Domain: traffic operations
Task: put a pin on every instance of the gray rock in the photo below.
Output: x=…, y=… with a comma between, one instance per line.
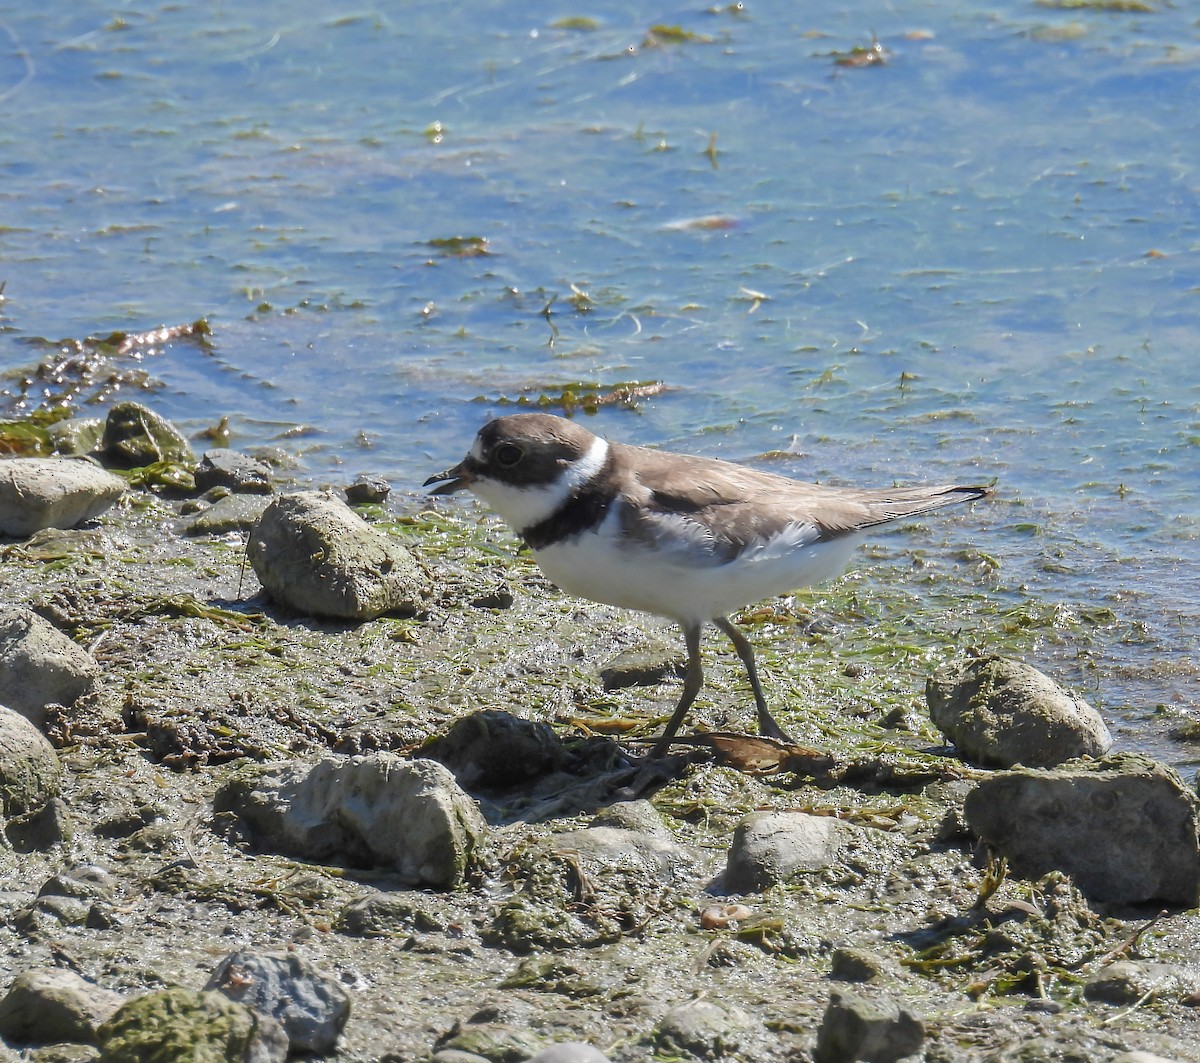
x=233, y=513
x=367, y=489
x=570, y=1052
x=494, y=1041
x=241, y=473
x=1127, y=982
x=313, y=554
x=135, y=436
x=371, y=811
x=653, y=857
x=394, y=913
x=1124, y=828
x=312, y=1007
x=768, y=848
x=1002, y=712
x=30, y=772
x=495, y=750
x=49, y=1005
x=40, y=665
x=639, y=815
x=703, y=1028
x=645, y=665
x=37, y=493
x=179, y=1024
x=75, y=897
x=878, y=1031
x=856, y=965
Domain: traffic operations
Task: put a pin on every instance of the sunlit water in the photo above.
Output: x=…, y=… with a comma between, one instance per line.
x=977, y=260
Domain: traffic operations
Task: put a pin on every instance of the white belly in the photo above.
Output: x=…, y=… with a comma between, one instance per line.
x=636, y=576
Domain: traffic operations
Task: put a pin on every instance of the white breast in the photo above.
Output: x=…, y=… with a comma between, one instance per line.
x=679, y=582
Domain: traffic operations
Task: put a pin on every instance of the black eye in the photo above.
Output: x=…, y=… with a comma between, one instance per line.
x=507, y=454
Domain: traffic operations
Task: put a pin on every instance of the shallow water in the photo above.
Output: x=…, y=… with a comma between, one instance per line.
x=977, y=260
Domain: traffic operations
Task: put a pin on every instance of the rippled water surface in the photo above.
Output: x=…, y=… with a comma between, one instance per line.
x=975, y=260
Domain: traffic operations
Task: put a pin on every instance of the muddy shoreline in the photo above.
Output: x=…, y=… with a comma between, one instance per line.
x=201, y=673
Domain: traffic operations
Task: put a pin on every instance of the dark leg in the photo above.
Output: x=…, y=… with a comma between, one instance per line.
x=766, y=722
x=693, y=680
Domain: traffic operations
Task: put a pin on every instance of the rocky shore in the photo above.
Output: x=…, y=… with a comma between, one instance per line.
x=283, y=775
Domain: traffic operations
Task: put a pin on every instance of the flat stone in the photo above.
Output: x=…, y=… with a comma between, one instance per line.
x=37, y=493
x=857, y=1028
x=311, y=1006
x=49, y=1005
x=40, y=666
x=367, y=489
x=768, y=848
x=372, y=811
x=239, y=472
x=1002, y=712
x=315, y=555
x=1126, y=828
x=233, y=513
x=645, y=665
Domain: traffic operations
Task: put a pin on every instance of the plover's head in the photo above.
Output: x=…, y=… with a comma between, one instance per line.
x=526, y=466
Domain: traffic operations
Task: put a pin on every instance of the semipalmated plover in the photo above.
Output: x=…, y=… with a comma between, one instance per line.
x=679, y=536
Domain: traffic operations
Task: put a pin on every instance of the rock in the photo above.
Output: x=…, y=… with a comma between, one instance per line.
x=30, y=772
x=854, y=1028
x=371, y=811
x=1002, y=712
x=241, y=473
x=49, y=1005
x=768, y=848
x=495, y=1041
x=392, y=914
x=1126, y=829
x=313, y=554
x=233, y=513
x=570, y=1052
x=135, y=436
x=77, y=897
x=311, y=1006
x=646, y=665
x=639, y=815
x=701, y=1028
x=172, y=1025
x=39, y=665
x=856, y=965
x=495, y=750
x=655, y=857
x=366, y=489
x=1127, y=982
x=43, y=828
x=76, y=435
x=37, y=493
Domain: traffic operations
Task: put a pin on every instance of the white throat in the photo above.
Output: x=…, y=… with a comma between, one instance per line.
x=523, y=507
